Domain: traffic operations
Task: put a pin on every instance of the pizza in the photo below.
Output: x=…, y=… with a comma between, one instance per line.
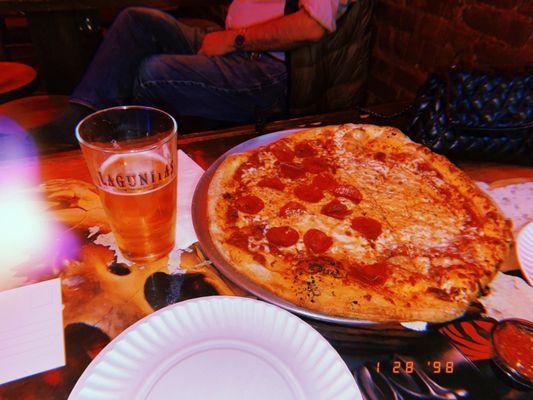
x=357, y=221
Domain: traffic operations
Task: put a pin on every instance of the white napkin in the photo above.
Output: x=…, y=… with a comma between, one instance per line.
x=514, y=199
x=189, y=173
x=509, y=297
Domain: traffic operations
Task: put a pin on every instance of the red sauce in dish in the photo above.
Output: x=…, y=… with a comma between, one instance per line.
x=304, y=149
x=349, y=192
x=309, y=193
x=368, y=227
x=291, y=208
x=291, y=171
x=249, y=204
x=335, y=209
x=272, y=183
x=317, y=241
x=369, y=274
x=282, y=236
x=514, y=344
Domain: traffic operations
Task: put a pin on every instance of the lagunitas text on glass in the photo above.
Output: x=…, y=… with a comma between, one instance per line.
x=132, y=157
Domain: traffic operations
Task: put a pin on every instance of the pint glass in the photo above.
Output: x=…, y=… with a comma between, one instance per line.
x=132, y=157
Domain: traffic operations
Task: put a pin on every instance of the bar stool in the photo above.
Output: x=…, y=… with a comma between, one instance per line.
x=16, y=80
x=19, y=116
x=31, y=112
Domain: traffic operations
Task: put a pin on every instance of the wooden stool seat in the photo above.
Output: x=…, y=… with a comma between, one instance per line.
x=16, y=80
x=18, y=116
x=31, y=112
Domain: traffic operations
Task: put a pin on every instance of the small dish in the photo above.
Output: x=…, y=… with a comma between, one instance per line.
x=512, y=342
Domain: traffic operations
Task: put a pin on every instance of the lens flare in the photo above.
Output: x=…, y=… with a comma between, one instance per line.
x=25, y=231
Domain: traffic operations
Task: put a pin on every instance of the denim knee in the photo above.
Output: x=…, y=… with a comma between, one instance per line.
x=137, y=15
x=149, y=69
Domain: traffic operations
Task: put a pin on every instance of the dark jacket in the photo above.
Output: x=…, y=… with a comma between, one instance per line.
x=331, y=74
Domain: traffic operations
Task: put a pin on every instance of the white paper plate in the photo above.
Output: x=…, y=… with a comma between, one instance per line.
x=218, y=347
x=524, y=251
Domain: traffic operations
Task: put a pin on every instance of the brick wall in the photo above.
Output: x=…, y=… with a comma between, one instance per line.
x=412, y=38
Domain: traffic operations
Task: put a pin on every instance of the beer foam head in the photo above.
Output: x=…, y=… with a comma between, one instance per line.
x=135, y=173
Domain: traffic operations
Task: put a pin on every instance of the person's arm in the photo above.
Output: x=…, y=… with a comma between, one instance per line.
x=282, y=33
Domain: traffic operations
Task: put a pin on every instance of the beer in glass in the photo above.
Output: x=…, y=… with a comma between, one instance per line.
x=132, y=158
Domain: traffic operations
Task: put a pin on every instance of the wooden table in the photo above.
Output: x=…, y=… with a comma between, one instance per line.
x=204, y=148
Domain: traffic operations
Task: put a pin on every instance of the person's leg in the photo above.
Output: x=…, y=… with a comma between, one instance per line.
x=227, y=88
x=135, y=34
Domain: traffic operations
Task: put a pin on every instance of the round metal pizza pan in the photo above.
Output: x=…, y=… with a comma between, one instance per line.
x=199, y=218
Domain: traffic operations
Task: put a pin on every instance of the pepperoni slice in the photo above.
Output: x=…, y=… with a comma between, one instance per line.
x=370, y=274
x=239, y=239
x=335, y=209
x=368, y=227
x=282, y=152
x=259, y=258
x=291, y=171
x=291, y=208
x=249, y=204
x=349, y=192
x=252, y=162
x=315, y=165
x=324, y=181
x=282, y=236
x=309, y=193
x=304, y=149
x=317, y=241
x=273, y=183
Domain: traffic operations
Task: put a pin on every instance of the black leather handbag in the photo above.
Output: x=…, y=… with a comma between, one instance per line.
x=476, y=116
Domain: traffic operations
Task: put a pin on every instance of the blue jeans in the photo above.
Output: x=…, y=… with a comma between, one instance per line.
x=150, y=58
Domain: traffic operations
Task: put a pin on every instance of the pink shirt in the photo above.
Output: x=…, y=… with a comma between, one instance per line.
x=243, y=13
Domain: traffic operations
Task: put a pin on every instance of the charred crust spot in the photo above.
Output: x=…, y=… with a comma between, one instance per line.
x=439, y=293
x=484, y=291
x=320, y=266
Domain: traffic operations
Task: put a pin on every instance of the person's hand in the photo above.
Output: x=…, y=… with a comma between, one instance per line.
x=218, y=43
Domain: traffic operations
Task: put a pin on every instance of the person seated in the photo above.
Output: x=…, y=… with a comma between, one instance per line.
x=150, y=58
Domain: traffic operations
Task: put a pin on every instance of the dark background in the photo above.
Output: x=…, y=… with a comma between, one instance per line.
x=412, y=38
x=416, y=37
